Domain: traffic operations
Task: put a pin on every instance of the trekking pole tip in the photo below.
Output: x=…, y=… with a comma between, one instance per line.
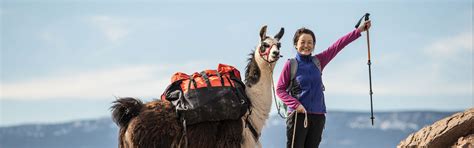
x=372, y=119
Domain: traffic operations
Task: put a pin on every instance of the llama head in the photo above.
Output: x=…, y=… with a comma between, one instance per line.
x=263, y=59
x=269, y=48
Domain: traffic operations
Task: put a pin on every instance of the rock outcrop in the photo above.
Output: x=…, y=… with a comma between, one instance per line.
x=465, y=142
x=454, y=131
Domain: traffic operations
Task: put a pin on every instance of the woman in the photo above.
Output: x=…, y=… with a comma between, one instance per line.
x=307, y=89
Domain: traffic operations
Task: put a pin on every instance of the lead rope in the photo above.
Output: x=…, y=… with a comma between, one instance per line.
x=274, y=96
x=305, y=122
x=294, y=129
x=273, y=89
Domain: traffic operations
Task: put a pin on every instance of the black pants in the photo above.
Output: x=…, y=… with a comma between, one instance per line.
x=308, y=137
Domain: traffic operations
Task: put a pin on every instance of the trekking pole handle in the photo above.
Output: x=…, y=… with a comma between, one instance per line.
x=365, y=17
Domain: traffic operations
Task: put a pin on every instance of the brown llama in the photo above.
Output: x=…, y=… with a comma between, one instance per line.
x=155, y=124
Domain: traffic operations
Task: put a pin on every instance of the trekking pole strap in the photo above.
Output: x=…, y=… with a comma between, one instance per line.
x=365, y=17
x=305, y=119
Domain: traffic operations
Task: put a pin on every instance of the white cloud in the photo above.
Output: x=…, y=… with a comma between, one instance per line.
x=135, y=81
x=102, y=83
x=113, y=28
x=451, y=46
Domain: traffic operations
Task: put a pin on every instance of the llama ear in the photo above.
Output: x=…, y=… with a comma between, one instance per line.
x=263, y=32
x=280, y=34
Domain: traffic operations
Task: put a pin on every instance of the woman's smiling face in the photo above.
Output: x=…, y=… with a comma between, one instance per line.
x=305, y=44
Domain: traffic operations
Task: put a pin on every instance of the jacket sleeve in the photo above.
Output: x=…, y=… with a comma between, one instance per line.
x=326, y=56
x=282, y=85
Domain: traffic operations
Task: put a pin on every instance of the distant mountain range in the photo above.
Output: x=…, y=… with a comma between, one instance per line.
x=354, y=129
x=343, y=129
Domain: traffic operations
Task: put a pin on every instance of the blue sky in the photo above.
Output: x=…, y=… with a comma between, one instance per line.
x=66, y=60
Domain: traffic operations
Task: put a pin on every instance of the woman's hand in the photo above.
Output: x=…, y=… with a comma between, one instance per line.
x=300, y=109
x=364, y=26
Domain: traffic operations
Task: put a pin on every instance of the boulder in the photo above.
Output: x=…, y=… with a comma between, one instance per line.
x=453, y=131
x=465, y=142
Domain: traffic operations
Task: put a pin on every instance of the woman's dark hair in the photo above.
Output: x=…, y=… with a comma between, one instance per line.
x=302, y=31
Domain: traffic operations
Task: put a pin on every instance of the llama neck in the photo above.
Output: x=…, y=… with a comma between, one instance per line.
x=261, y=96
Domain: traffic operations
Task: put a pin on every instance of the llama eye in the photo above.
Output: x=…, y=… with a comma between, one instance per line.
x=263, y=48
x=265, y=45
x=278, y=45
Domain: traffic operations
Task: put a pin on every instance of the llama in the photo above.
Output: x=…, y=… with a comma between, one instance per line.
x=155, y=124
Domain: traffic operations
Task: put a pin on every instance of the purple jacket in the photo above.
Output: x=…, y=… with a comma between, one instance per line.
x=308, y=78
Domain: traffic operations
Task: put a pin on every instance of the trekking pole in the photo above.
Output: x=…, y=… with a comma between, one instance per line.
x=366, y=17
